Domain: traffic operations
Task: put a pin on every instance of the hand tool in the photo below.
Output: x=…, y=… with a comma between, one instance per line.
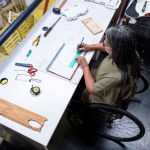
x=28, y=54
x=31, y=71
x=35, y=90
x=58, y=9
x=51, y=27
x=144, y=7
x=23, y=65
x=36, y=41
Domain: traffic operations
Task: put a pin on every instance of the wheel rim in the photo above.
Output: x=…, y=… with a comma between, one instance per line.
x=127, y=128
x=122, y=129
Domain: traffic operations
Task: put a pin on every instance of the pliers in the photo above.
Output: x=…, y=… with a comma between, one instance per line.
x=36, y=41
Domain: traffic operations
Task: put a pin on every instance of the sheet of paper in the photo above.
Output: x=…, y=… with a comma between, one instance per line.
x=60, y=65
x=43, y=58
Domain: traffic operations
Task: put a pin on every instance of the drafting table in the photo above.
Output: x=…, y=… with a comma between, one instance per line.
x=55, y=92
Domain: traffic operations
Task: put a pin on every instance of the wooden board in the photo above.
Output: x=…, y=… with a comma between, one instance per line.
x=92, y=25
x=20, y=115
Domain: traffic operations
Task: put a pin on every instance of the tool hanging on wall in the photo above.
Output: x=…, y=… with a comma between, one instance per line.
x=57, y=10
x=144, y=6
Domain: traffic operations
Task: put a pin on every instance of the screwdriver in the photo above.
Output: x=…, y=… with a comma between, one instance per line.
x=28, y=54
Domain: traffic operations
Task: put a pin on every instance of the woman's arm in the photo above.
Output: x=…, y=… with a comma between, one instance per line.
x=87, y=47
x=89, y=80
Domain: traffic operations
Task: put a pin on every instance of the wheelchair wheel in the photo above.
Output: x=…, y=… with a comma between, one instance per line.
x=142, y=84
x=112, y=123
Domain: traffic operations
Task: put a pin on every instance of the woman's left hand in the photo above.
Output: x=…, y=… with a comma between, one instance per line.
x=82, y=61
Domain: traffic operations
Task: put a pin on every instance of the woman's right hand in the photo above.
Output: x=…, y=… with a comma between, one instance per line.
x=83, y=47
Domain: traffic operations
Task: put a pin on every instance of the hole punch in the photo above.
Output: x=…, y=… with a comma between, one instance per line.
x=3, y=81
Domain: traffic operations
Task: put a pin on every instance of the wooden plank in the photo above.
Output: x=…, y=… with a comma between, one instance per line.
x=20, y=115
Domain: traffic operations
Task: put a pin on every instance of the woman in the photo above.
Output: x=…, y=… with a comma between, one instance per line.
x=115, y=78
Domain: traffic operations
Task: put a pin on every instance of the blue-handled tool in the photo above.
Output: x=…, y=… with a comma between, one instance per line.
x=28, y=54
x=23, y=65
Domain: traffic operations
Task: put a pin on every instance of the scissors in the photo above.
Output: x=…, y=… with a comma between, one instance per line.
x=31, y=71
x=36, y=41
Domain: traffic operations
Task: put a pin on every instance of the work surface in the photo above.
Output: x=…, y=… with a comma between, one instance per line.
x=56, y=91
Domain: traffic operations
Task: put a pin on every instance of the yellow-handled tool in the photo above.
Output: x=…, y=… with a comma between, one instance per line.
x=36, y=41
x=57, y=10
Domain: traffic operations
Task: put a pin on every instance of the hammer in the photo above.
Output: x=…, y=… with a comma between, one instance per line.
x=57, y=10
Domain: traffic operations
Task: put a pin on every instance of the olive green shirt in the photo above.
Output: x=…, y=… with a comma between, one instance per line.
x=107, y=77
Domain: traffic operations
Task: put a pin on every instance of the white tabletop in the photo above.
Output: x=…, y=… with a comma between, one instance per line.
x=55, y=91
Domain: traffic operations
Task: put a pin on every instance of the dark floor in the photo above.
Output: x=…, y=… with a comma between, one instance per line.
x=68, y=138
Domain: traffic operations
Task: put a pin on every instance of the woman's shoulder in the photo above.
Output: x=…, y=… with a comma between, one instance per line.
x=108, y=64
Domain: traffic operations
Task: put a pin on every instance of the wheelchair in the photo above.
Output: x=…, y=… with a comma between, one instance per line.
x=113, y=122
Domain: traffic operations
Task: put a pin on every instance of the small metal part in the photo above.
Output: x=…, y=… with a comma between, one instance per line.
x=3, y=81
x=45, y=28
x=35, y=90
